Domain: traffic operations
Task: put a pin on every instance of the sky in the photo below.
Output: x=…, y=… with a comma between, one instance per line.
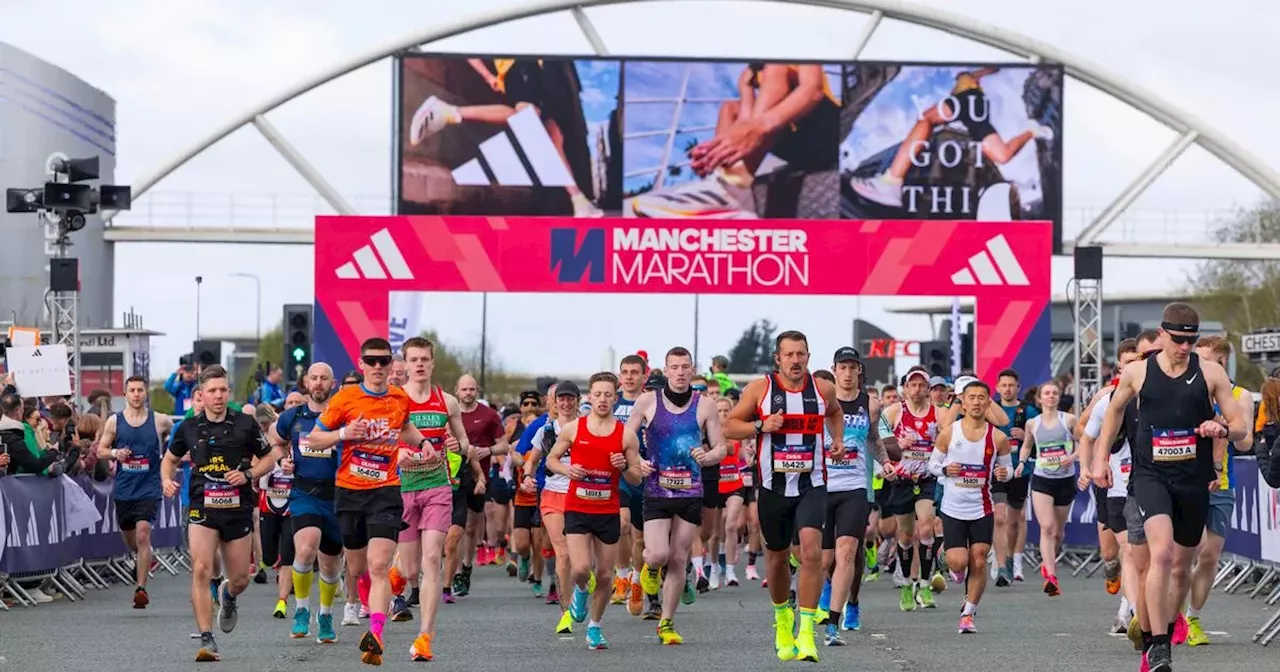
x=179, y=69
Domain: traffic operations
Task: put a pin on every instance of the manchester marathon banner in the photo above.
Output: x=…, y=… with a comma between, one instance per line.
x=49, y=523
x=697, y=139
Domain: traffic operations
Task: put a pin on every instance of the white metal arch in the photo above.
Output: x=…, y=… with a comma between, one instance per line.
x=1190, y=128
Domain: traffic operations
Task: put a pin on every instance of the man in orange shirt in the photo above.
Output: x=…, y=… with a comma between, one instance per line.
x=372, y=420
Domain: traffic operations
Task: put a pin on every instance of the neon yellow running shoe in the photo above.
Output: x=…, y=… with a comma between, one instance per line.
x=1195, y=634
x=784, y=641
x=565, y=626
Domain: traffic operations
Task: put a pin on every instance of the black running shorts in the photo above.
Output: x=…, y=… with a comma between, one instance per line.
x=846, y=516
x=782, y=518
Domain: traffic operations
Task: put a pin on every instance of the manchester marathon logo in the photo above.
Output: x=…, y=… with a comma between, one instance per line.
x=739, y=258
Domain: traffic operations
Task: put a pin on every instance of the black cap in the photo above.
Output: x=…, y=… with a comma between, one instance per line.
x=847, y=354
x=567, y=388
x=529, y=395
x=656, y=380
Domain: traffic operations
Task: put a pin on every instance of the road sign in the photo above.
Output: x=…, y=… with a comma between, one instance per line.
x=1259, y=343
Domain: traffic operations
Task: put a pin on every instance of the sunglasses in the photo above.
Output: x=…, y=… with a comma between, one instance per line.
x=529, y=404
x=376, y=360
x=1183, y=339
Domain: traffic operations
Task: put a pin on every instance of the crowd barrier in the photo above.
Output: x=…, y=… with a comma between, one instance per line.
x=1251, y=558
x=64, y=530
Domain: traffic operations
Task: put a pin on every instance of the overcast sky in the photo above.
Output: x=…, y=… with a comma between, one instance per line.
x=177, y=69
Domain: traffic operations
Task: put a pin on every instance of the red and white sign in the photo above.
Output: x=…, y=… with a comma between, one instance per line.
x=888, y=348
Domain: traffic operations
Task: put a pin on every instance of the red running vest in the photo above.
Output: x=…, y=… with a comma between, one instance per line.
x=597, y=493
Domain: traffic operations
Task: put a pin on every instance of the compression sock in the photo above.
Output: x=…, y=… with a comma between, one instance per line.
x=833, y=615
x=722, y=562
x=807, y=617
x=926, y=559
x=751, y=557
x=377, y=621
x=906, y=554
x=550, y=572
x=302, y=586
x=328, y=591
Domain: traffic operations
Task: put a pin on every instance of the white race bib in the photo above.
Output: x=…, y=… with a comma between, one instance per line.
x=221, y=496
x=1173, y=445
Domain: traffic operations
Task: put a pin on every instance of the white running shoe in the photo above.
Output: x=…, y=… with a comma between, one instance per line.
x=752, y=574
x=878, y=190
x=715, y=197
x=585, y=208
x=714, y=577
x=351, y=614
x=730, y=576
x=1042, y=132
x=430, y=118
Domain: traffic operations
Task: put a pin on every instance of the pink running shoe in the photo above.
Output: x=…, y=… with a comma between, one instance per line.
x=1180, y=632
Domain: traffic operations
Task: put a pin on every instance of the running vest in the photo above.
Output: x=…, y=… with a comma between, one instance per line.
x=545, y=440
x=1019, y=414
x=791, y=459
x=431, y=417
x=967, y=496
x=313, y=468
x=731, y=468
x=137, y=478
x=1227, y=479
x=1053, y=446
x=923, y=430
x=597, y=492
x=671, y=438
x=1169, y=411
x=850, y=473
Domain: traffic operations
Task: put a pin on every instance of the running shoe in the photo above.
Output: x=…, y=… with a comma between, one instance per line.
x=1134, y=633
x=654, y=610
x=455, y=586
x=430, y=118
x=715, y=197
x=833, y=637
x=553, y=595
x=371, y=649
x=635, y=601
x=1111, y=574
x=1195, y=634
x=260, y=577
x=966, y=624
x=208, y=651
x=690, y=594
x=879, y=189
x=420, y=650
x=1179, y=634
x=715, y=578
x=1051, y=586
x=730, y=576
x=1120, y=626
x=595, y=638
x=752, y=574
x=650, y=582
x=591, y=582
x=824, y=600
x=350, y=615
x=466, y=583
x=784, y=642
x=447, y=597
x=619, y=590
x=522, y=569
x=281, y=610
x=301, y=623
x=578, y=605
x=228, y=612
x=1004, y=577
x=1160, y=658
x=324, y=629
x=414, y=596
x=852, y=618
x=565, y=626
x=806, y=649
x=536, y=587
x=400, y=610
x=907, y=598
x=925, y=596
x=701, y=582
x=140, y=598
x=667, y=633
x=214, y=584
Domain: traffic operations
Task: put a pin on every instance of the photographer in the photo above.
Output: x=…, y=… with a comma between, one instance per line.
x=181, y=385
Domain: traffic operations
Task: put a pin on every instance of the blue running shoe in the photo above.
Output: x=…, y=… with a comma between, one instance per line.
x=324, y=629
x=824, y=602
x=595, y=638
x=833, y=637
x=522, y=570
x=578, y=605
x=852, y=617
x=301, y=623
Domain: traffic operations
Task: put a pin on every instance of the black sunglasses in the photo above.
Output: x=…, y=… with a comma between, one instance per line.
x=376, y=360
x=528, y=402
x=1183, y=339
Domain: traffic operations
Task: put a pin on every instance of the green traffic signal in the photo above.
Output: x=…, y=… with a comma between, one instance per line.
x=299, y=354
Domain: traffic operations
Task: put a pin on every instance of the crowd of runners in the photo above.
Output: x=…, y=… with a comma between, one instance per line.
x=647, y=487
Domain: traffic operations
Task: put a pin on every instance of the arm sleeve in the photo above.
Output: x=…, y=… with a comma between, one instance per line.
x=937, y=463
x=1094, y=427
x=1005, y=461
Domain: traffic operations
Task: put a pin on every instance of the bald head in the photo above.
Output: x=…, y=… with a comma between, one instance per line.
x=467, y=390
x=319, y=383
x=320, y=368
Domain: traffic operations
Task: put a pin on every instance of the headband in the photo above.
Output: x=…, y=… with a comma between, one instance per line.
x=1173, y=326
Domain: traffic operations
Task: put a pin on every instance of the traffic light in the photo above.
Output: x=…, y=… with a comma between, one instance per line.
x=206, y=353
x=298, y=339
x=935, y=357
x=966, y=349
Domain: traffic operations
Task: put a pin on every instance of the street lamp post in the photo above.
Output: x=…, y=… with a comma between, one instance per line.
x=257, y=284
x=199, y=280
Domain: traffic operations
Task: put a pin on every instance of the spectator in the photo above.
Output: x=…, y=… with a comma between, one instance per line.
x=8, y=386
x=88, y=427
x=269, y=392
x=720, y=373
x=99, y=402
x=19, y=440
x=35, y=423
x=181, y=385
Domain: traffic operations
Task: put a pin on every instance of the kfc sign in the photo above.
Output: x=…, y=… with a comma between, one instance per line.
x=888, y=348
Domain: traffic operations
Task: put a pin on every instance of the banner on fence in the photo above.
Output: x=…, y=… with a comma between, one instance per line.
x=46, y=523
x=1244, y=534
x=1269, y=521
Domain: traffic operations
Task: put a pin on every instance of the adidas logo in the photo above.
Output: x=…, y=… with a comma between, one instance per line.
x=531, y=161
x=982, y=268
x=369, y=261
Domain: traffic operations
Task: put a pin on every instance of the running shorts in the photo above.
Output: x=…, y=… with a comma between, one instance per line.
x=1062, y=490
x=605, y=527
x=1188, y=509
x=846, y=516
x=377, y=513
x=526, y=518
x=1111, y=514
x=130, y=512
x=958, y=533
x=426, y=510
x=963, y=106
x=1222, y=506
x=551, y=503
x=633, y=502
x=711, y=497
x=903, y=495
x=1133, y=522
x=688, y=509
x=499, y=491
x=782, y=518
x=1012, y=492
x=277, y=540
x=230, y=526
x=330, y=532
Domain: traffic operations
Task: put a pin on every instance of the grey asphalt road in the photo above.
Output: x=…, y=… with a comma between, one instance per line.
x=500, y=626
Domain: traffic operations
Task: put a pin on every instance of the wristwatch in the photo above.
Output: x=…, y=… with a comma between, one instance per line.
x=759, y=425
x=248, y=475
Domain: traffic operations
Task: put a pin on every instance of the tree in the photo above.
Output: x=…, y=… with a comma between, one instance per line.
x=270, y=349
x=754, y=351
x=1243, y=295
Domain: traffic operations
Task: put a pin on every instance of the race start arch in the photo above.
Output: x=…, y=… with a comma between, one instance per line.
x=361, y=261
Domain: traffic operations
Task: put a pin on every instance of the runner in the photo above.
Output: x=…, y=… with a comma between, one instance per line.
x=1011, y=497
x=222, y=446
x=316, y=534
x=274, y=524
x=484, y=429
x=1173, y=458
x=848, y=502
x=526, y=522
x=592, y=453
x=787, y=411
x=626, y=587
x=733, y=489
x=1054, y=483
x=133, y=438
x=675, y=420
x=969, y=454
x=372, y=419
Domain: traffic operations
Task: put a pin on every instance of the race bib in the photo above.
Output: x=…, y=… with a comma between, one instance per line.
x=793, y=461
x=419, y=465
x=370, y=466
x=920, y=451
x=849, y=461
x=971, y=476
x=279, y=486
x=594, y=488
x=748, y=479
x=1126, y=465
x=728, y=473
x=1051, y=456
x=221, y=496
x=136, y=465
x=675, y=479
x=305, y=449
x=1173, y=445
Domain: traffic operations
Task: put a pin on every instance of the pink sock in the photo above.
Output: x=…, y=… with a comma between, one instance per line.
x=362, y=588
x=376, y=621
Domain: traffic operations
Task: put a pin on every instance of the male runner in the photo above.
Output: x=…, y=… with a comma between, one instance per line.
x=969, y=454
x=222, y=446
x=787, y=411
x=316, y=534
x=848, y=504
x=372, y=419
x=674, y=426
x=483, y=428
x=1173, y=458
x=424, y=488
x=592, y=453
x=626, y=587
x=1011, y=497
x=133, y=438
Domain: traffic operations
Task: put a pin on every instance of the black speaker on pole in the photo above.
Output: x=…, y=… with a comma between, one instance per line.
x=1088, y=263
x=64, y=274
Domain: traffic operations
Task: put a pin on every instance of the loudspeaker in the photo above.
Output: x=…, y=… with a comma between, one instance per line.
x=1088, y=263
x=59, y=196
x=113, y=197
x=64, y=275
x=206, y=353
